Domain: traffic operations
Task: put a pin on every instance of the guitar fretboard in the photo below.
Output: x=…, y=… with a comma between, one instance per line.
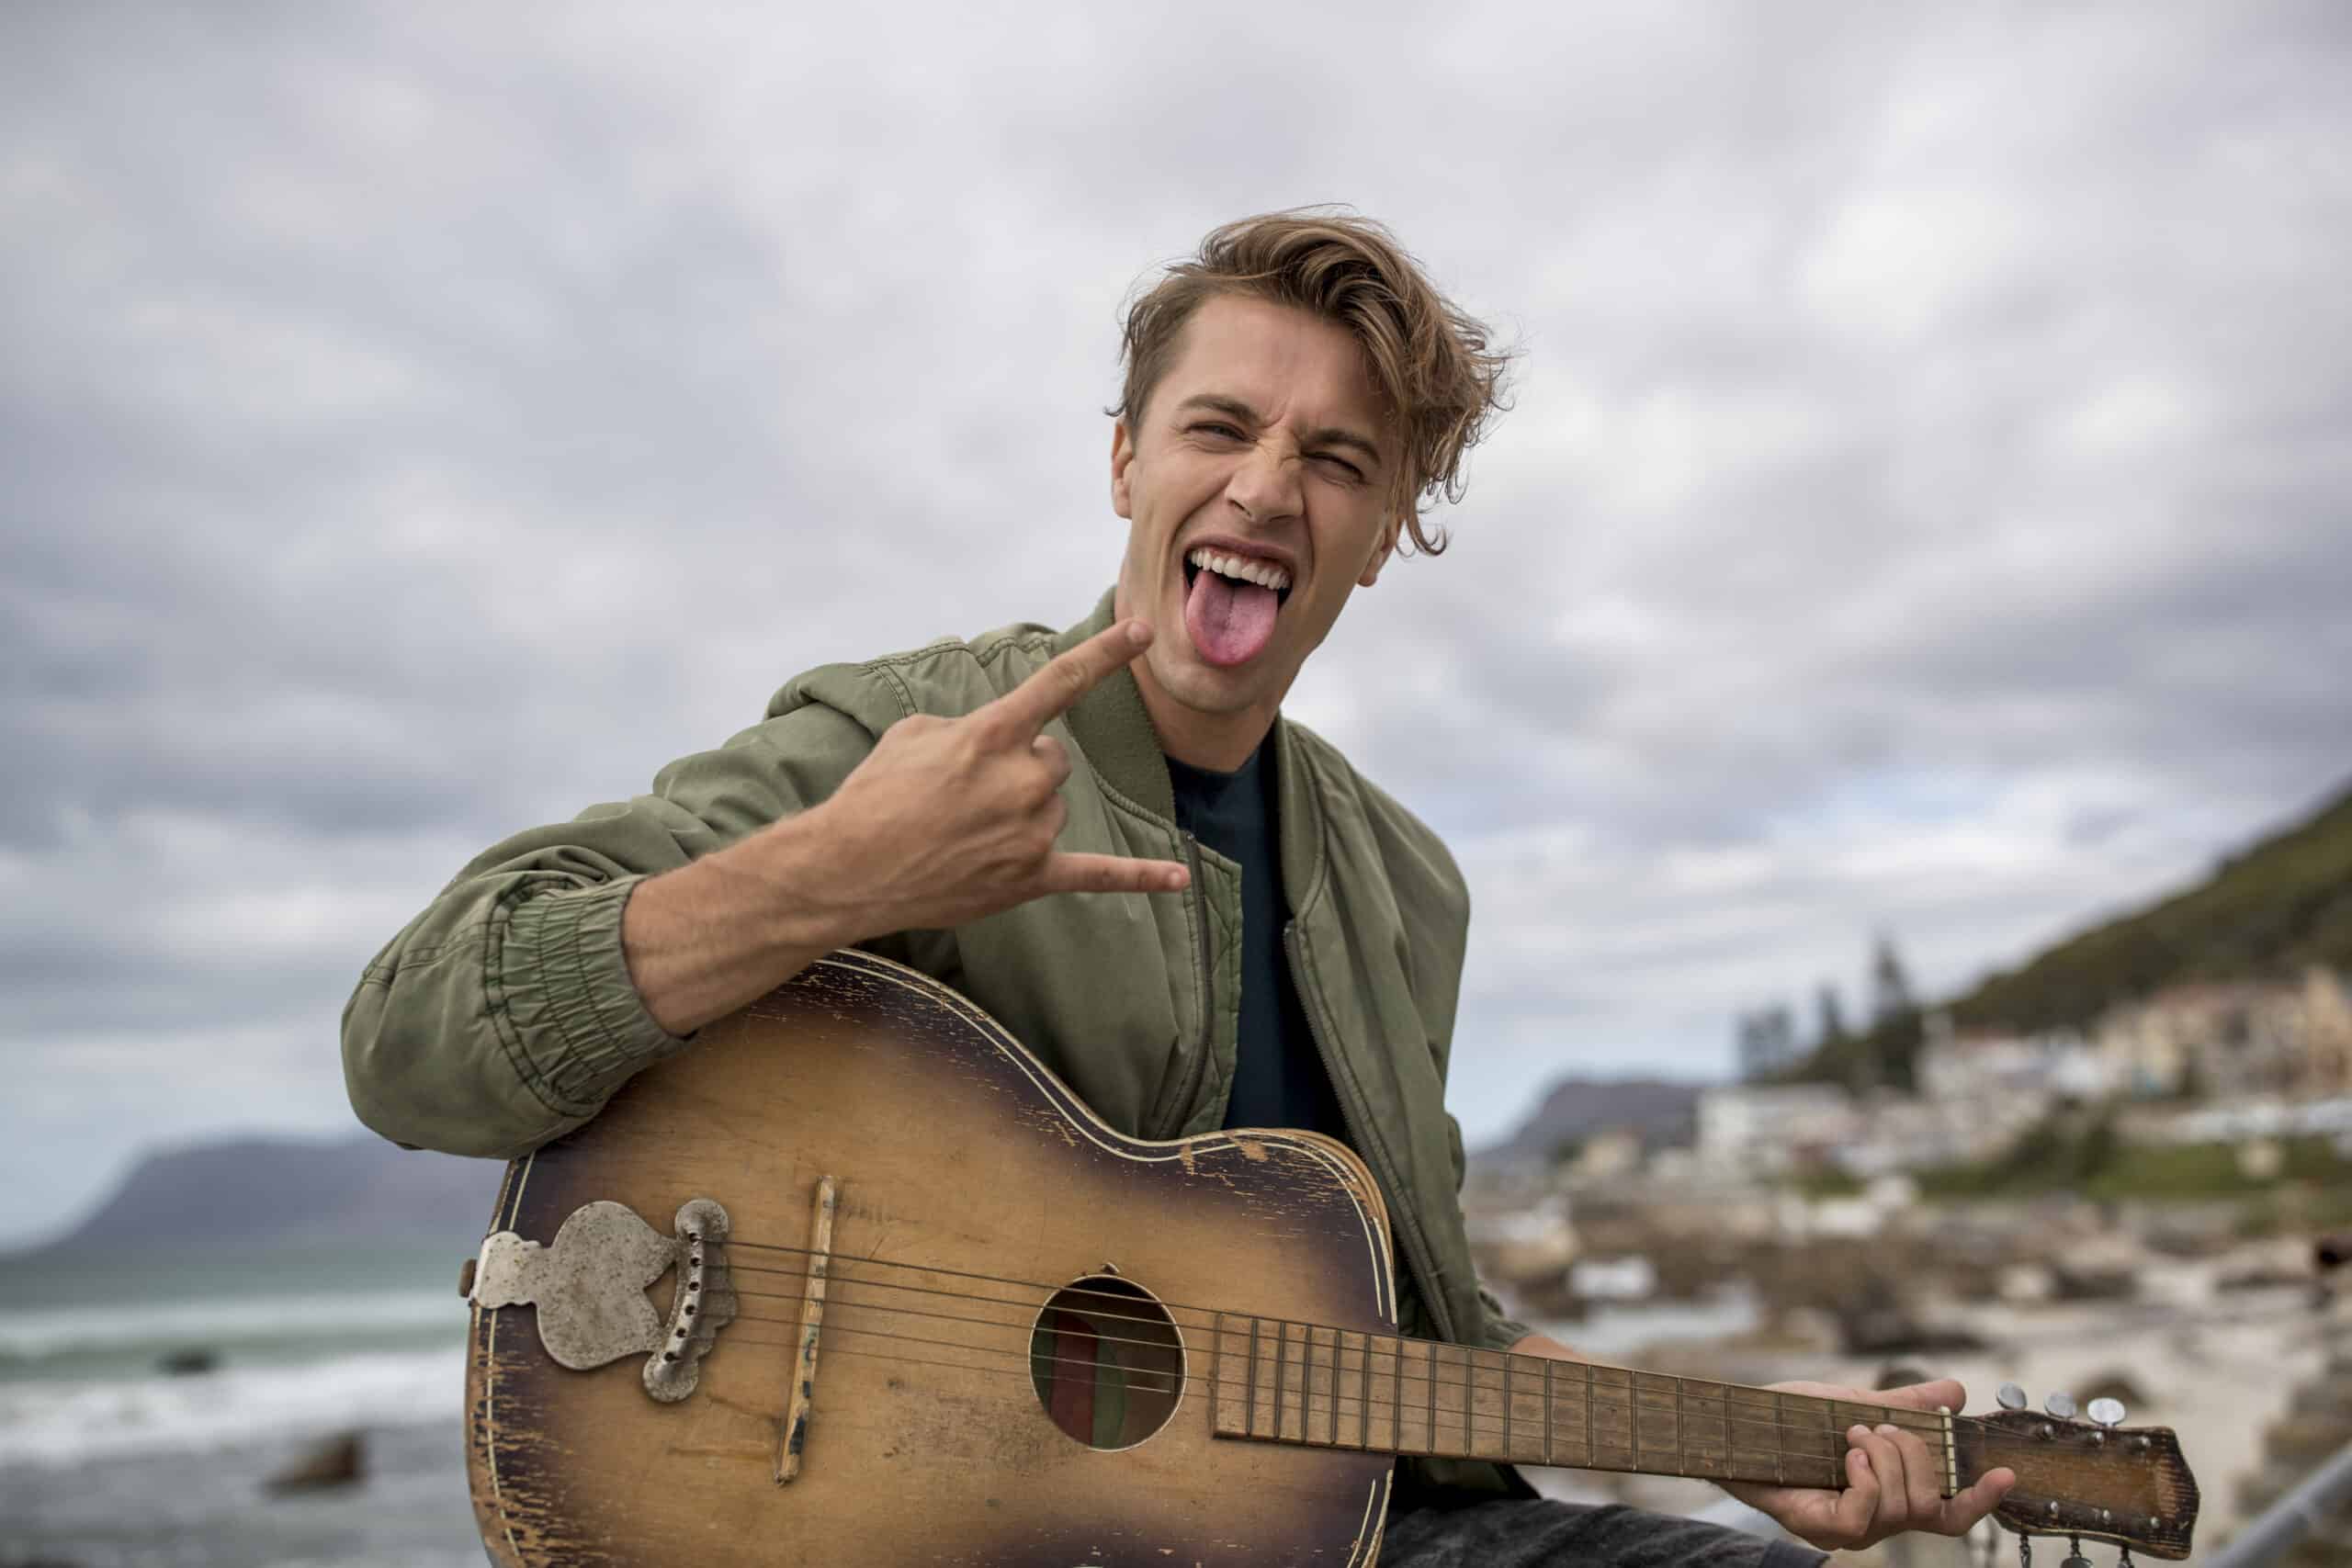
x=1291, y=1382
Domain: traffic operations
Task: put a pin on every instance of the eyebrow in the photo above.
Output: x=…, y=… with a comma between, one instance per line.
x=1329, y=435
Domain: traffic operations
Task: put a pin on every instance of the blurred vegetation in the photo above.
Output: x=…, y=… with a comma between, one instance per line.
x=2084, y=1155
x=2268, y=912
x=1824, y=1181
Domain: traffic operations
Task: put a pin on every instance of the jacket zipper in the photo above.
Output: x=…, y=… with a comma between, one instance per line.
x=1406, y=1226
x=1174, y=1118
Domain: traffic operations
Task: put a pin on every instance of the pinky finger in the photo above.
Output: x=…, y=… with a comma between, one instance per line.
x=1858, y=1507
x=1110, y=873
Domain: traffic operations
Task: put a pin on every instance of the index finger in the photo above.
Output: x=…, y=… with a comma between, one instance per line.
x=1055, y=690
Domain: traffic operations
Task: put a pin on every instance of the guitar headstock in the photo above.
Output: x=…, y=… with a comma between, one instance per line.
x=2093, y=1479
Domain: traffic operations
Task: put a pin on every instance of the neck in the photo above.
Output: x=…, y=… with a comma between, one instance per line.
x=1220, y=742
x=1290, y=1383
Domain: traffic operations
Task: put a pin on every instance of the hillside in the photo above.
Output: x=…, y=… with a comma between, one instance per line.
x=2267, y=912
x=1573, y=1110
x=256, y=1194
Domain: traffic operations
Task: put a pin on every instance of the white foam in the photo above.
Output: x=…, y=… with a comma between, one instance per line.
x=64, y=1423
x=100, y=1327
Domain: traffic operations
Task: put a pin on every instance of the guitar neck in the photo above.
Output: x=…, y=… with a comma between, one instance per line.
x=1291, y=1382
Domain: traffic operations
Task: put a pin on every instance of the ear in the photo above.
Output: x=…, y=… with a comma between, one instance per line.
x=1122, y=453
x=1381, y=550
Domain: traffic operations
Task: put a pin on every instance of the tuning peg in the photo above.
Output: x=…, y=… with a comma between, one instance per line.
x=2012, y=1397
x=2075, y=1559
x=2106, y=1411
x=2062, y=1406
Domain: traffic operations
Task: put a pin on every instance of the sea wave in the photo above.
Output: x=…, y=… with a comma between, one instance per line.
x=56, y=1424
x=99, y=1328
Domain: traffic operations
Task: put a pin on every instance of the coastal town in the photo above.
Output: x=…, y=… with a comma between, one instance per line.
x=2146, y=1209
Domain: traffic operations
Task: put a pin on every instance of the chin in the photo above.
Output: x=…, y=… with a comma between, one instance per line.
x=1209, y=688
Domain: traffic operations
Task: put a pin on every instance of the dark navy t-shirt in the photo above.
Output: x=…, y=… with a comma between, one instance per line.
x=1278, y=1078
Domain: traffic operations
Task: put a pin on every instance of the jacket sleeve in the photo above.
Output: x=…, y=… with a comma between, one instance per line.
x=504, y=1015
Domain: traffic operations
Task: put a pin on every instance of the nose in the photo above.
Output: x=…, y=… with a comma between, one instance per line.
x=1266, y=484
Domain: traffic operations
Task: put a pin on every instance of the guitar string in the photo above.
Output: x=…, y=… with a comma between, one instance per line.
x=1832, y=1465
x=1886, y=1413
x=1595, y=1445
x=1472, y=1418
x=1655, y=1402
x=1331, y=1402
x=1912, y=1420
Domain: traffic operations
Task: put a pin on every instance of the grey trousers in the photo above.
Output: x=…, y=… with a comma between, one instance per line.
x=1513, y=1532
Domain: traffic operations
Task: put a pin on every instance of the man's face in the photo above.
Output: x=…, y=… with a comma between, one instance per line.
x=1261, y=450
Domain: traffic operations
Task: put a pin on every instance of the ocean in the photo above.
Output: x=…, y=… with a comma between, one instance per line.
x=106, y=1459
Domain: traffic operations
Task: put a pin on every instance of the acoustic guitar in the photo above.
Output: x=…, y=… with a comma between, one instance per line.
x=920, y=1305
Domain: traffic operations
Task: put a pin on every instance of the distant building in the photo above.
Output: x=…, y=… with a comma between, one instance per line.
x=2234, y=1039
x=1769, y=1130
x=1976, y=1065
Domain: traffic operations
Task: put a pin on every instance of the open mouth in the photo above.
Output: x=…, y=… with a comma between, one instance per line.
x=1239, y=569
x=1230, y=603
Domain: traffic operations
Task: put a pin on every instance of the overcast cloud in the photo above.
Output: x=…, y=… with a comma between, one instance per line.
x=1924, y=508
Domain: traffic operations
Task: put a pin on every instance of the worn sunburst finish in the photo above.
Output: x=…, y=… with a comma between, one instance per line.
x=952, y=1150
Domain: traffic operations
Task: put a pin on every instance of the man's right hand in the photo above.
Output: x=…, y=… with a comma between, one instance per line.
x=949, y=819
x=945, y=821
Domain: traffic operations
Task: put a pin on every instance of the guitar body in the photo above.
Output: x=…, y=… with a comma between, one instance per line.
x=970, y=1186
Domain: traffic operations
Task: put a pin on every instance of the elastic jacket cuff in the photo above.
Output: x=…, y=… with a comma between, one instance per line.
x=579, y=1029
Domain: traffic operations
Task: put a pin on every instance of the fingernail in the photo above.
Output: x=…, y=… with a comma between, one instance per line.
x=1887, y=1430
x=1857, y=1432
x=1864, y=1457
x=1138, y=632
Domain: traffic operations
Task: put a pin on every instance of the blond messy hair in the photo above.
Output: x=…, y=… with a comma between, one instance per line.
x=1442, y=381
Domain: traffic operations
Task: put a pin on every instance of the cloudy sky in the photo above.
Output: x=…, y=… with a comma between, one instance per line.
x=1924, y=509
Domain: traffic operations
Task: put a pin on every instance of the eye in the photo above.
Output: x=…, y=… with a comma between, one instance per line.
x=1216, y=427
x=1341, y=464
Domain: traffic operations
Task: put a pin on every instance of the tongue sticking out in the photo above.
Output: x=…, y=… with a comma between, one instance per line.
x=1231, y=621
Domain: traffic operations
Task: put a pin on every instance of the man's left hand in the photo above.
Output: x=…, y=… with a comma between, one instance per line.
x=1893, y=1485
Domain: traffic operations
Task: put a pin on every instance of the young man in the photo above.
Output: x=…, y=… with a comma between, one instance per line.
x=1194, y=910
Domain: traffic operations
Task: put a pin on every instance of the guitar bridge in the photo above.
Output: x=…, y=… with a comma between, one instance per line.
x=589, y=1286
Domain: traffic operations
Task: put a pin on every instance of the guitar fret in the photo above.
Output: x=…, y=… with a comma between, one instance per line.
x=1507, y=1360
x=1282, y=1359
x=1306, y=1387
x=1363, y=1394
x=1396, y=1406
x=1335, y=1389
x=1548, y=1364
x=1428, y=1366
x=1250, y=1394
x=1217, y=1367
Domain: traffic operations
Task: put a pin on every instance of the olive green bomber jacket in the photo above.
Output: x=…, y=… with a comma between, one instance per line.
x=503, y=1015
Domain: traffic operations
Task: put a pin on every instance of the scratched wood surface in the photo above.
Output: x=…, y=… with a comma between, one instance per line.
x=926, y=1441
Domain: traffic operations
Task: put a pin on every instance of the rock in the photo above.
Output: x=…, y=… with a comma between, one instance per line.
x=2115, y=1386
x=1890, y=1331
x=338, y=1461
x=187, y=1361
x=2306, y=1440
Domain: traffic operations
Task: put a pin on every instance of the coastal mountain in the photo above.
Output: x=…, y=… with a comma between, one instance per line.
x=259, y=1194
x=2269, y=911
x=1659, y=1111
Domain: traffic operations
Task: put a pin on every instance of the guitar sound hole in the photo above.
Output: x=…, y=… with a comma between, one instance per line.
x=1106, y=1362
